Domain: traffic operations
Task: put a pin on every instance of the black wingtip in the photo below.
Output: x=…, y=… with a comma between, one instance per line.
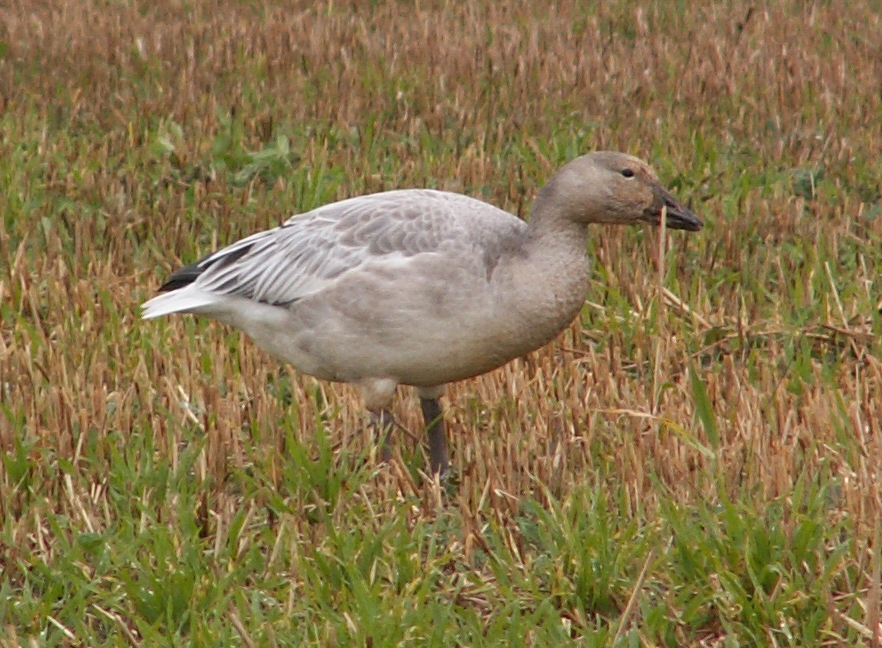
x=188, y=274
x=183, y=277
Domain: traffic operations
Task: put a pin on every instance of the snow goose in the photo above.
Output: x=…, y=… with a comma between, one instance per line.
x=419, y=287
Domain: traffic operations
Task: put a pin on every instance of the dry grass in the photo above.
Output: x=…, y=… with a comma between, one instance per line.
x=692, y=433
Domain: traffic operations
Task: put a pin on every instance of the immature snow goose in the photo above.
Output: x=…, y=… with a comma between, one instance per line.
x=419, y=287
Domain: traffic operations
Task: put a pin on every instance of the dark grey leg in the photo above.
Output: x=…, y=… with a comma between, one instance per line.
x=434, y=421
x=382, y=422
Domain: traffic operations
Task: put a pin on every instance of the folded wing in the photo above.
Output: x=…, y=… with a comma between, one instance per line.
x=311, y=251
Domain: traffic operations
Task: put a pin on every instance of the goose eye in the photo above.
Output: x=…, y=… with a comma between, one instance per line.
x=628, y=173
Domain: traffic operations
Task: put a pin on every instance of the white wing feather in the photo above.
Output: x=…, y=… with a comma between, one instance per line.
x=311, y=251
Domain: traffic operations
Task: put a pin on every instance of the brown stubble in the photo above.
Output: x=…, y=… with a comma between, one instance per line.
x=78, y=357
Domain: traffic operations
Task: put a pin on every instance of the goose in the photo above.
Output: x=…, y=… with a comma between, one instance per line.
x=419, y=287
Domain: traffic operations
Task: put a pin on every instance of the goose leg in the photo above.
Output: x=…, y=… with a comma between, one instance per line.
x=434, y=420
x=382, y=422
x=378, y=394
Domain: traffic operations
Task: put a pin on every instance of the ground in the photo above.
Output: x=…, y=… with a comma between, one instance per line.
x=695, y=462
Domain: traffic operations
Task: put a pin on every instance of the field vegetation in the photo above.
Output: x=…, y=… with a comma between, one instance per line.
x=697, y=461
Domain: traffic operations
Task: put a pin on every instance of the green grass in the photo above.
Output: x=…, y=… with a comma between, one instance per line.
x=691, y=468
x=181, y=558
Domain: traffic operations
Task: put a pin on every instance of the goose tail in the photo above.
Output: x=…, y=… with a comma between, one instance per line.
x=185, y=300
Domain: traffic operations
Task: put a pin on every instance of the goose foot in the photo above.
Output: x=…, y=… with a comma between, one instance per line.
x=382, y=423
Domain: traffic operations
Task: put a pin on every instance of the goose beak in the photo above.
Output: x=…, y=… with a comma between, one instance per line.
x=678, y=215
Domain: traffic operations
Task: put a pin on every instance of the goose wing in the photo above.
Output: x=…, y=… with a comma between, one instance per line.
x=310, y=251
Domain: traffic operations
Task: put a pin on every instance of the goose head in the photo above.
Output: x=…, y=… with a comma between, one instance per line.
x=615, y=188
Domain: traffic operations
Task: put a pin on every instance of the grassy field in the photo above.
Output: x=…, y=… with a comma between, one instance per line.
x=696, y=462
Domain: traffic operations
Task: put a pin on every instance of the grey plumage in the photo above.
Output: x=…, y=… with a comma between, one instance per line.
x=419, y=287
x=309, y=251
